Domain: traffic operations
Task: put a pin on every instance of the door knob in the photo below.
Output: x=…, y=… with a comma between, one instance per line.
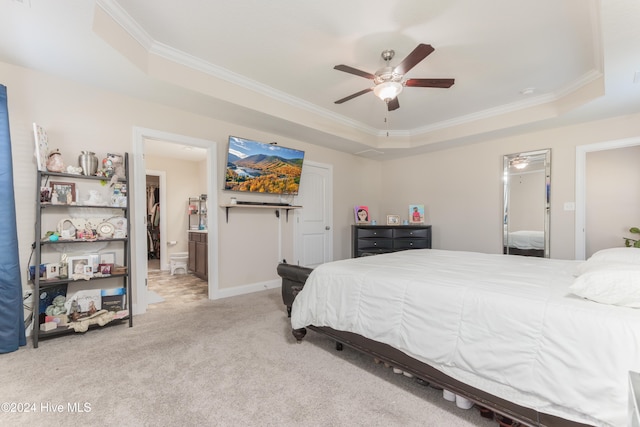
x=327, y=227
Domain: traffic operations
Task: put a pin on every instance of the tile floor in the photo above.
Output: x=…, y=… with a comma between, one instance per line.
x=176, y=289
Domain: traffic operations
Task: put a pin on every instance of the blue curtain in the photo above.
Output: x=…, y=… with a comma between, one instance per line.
x=11, y=312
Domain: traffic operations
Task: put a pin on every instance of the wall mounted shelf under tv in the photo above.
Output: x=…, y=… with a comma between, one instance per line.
x=277, y=208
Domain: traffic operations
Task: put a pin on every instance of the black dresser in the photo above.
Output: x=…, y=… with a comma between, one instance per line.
x=380, y=239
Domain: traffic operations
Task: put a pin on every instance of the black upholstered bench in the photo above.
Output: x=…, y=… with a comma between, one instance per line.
x=293, y=279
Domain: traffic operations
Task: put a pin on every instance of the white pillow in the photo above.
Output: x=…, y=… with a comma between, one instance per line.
x=619, y=285
x=629, y=255
x=596, y=265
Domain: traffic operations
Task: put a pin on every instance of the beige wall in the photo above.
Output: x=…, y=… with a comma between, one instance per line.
x=612, y=197
x=461, y=188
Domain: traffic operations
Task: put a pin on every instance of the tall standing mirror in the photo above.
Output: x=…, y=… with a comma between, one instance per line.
x=527, y=186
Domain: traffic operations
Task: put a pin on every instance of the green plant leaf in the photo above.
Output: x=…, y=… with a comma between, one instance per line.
x=635, y=230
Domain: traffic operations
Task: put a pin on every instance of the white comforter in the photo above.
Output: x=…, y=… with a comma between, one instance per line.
x=525, y=239
x=504, y=324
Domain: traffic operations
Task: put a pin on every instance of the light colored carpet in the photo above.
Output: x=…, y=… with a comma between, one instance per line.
x=230, y=362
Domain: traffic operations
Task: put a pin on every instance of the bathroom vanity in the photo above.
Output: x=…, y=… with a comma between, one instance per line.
x=198, y=254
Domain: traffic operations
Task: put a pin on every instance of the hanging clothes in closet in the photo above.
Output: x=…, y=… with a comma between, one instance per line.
x=153, y=221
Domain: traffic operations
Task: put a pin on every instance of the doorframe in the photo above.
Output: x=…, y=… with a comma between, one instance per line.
x=581, y=187
x=138, y=196
x=162, y=178
x=297, y=230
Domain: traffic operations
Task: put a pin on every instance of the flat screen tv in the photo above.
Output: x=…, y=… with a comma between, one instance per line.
x=258, y=167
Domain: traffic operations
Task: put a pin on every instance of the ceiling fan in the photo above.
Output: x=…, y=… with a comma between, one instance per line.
x=389, y=80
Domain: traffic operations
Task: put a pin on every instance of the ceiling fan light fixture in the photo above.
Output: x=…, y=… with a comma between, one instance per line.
x=520, y=162
x=387, y=90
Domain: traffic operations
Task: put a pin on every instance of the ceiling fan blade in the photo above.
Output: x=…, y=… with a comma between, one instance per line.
x=444, y=83
x=355, y=71
x=418, y=54
x=393, y=104
x=362, y=92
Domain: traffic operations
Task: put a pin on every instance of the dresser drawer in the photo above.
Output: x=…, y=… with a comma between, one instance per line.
x=411, y=244
x=373, y=245
x=373, y=252
x=366, y=233
x=410, y=233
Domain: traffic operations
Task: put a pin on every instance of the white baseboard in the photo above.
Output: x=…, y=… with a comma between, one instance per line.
x=246, y=289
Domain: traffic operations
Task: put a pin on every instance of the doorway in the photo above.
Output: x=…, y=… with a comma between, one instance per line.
x=143, y=139
x=581, y=189
x=169, y=278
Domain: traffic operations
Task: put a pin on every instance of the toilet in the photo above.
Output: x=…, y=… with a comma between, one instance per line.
x=178, y=263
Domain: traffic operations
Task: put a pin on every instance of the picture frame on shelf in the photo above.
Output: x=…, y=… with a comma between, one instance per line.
x=106, y=230
x=47, y=296
x=361, y=214
x=105, y=269
x=52, y=271
x=120, y=227
x=416, y=214
x=95, y=262
x=80, y=265
x=63, y=193
x=107, y=258
x=67, y=229
x=393, y=219
x=86, y=299
x=45, y=194
x=114, y=299
x=119, y=196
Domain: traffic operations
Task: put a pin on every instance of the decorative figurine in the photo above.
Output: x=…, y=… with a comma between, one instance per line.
x=74, y=311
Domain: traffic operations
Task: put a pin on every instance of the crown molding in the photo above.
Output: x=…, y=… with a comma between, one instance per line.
x=122, y=18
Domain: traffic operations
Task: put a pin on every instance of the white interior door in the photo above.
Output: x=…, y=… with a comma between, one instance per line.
x=314, y=226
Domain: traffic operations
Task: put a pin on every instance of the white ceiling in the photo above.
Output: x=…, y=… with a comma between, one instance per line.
x=271, y=63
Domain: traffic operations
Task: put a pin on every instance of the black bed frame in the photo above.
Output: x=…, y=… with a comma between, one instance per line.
x=293, y=279
x=524, y=252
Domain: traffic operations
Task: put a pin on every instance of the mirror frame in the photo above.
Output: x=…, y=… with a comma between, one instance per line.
x=508, y=159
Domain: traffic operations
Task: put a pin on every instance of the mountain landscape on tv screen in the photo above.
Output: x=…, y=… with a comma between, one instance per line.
x=263, y=173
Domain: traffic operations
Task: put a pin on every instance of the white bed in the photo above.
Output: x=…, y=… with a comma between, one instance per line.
x=525, y=239
x=502, y=324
